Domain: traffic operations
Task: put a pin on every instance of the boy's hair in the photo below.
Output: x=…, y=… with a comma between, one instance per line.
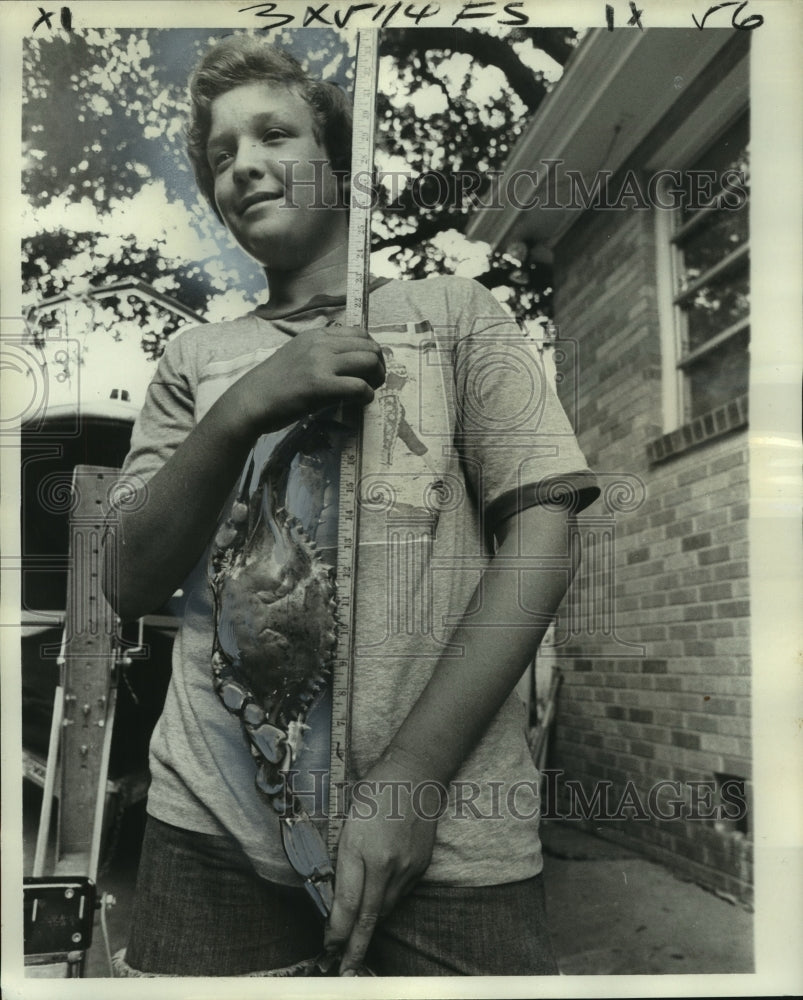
x=242, y=59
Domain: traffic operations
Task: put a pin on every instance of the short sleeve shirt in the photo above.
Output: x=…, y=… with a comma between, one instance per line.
x=466, y=431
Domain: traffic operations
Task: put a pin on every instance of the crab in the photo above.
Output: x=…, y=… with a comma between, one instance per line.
x=275, y=617
x=275, y=641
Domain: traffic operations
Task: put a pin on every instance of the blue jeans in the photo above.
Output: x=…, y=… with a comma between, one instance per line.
x=201, y=910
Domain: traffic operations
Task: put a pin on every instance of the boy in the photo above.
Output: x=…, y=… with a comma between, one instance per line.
x=463, y=443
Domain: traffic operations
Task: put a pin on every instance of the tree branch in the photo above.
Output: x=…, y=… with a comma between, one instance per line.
x=426, y=229
x=486, y=50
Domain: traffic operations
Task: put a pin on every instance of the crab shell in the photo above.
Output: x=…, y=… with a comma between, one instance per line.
x=276, y=604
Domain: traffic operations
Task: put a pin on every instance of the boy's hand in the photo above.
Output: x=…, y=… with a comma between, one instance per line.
x=316, y=369
x=379, y=858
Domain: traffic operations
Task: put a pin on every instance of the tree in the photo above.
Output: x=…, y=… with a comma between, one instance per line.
x=481, y=89
x=109, y=192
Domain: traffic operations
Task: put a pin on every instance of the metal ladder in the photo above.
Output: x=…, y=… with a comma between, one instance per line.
x=60, y=896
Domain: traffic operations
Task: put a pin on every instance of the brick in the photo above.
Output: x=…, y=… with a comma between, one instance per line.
x=691, y=741
x=687, y=702
x=721, y=706
x=655, y=600
x=739, y=511
x=738, y=765
x=731, y=570
x=716, y=591
x=640, y=715
x=683, y=775
x=644, y=569
x=670, y=648
x=737, y=459
x=692, y=475
x=683, y=595
x=716, y=630
x=574, y=695
x=659, y=734
x=654, y=666
x=740, y=548
x=738, y=480
x=717, y=743
x=732, y=532
x=667, y=717
x=681, y=561
x=702, y=723
x=698, y=612
x=638, y=555
x=699, y=648
x=701, y=541
x=737, y=726
x=719, y=553
x=649, y=633
x=679, y=529
x=734, y=645
x=669, y=615
x=616, y=680
x=733, y=609
x=715, y=518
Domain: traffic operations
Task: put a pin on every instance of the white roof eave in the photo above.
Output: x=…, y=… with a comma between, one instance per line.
x=616, y=87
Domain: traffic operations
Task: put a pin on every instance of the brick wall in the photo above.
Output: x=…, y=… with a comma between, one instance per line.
x=677, y=709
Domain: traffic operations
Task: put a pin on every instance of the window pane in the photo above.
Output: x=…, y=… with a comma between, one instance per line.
x=720, y=376
x=722, y=232
x=717, y=305
x=730, y=152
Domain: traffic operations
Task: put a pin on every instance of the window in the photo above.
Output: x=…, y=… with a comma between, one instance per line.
x=710, y=250
x=703, y=271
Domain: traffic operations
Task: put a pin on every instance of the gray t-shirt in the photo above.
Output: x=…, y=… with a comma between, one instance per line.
x=466, y=431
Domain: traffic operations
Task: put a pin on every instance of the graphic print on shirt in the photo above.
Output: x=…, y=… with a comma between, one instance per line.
x=405, y=488
x=407, y=423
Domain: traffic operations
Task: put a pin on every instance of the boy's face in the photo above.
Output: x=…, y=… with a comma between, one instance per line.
x=261, y=150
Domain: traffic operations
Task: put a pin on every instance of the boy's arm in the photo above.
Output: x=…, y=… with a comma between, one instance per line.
x=160, y=539
x=378, y=858
x=168, y=524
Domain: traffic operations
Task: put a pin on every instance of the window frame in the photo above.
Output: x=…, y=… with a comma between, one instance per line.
x=671, y=229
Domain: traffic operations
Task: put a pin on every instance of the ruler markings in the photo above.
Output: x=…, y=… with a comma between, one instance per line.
x=357, y=292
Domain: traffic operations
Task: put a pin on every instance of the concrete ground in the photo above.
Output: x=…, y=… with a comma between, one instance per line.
x=614, y=912
x=611, y=911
